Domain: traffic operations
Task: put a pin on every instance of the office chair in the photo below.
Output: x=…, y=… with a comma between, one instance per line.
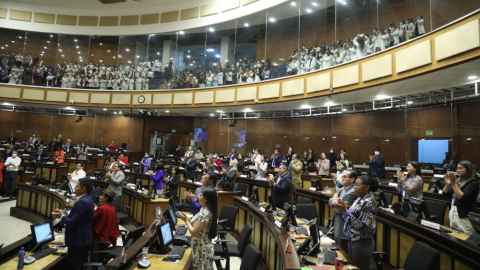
x=225, y=250
x=118, y=208
x=242, y=189
x=389, y=197
x=102, y=258
x=227, y=218
x=437, y=210
x=130, y=238
x=251, y=252
x=420, y=256
x=303, y=200
x=96, y=193
x=309, y=212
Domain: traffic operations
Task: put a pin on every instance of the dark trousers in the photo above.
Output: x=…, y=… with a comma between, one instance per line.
x=77, y=257
x=10, y=182
x=361, y=251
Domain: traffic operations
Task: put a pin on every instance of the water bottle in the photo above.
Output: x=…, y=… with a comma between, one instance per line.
x=21, y=258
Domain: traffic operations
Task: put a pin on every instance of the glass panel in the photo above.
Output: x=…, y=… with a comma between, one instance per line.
x=13, y=47
x=282, y=28
x=446, y=11
x=41, y=49
x=393, y=14
x=133, y=49
x=220, y=51
x=161, y=48
x=190, y=50
x=250, y=44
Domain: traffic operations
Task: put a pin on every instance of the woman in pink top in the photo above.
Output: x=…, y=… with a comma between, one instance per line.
x=112, y=147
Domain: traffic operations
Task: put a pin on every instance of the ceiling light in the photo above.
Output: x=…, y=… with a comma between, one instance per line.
x=344, y=110
x=304, y=106
x=43, y=52
x=119, y=56
x=114, y=112
x=75, y=40
x=210, y=50
x=472, y=77
x=158, y=53
x=181, y=32
x=127, y=50
x=101, y=44
x=217, y=55
x=293, y=3
x=78, y=52
x=167, y=111
x=314, y=4
x=6, y=103
x=246, y=24
x=63, y=55
x=77, y=47
x=309, y=10
x=410, y=102
x=19, y=36
x=51, y=35
x=212, y=114
x=69, y=108
x=344, y=3
x=13, y=41
x=381, y=96
x=188, y=56
x=247, y=110
x=114, y=57
x=60, y=50
x=48, y=41
x=219, y=111
x=45, y=47
x=211, y=29
x=108, y=50
x=3, y=48
x=105, y=109
x=129, y=62
x=329, y=103
x=138, y=56
x=272, y=19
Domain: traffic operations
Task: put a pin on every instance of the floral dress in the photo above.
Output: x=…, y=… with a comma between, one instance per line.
x=202, y=246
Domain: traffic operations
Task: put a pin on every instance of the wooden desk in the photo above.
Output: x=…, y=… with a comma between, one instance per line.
x=224, y=197
x=396, y=235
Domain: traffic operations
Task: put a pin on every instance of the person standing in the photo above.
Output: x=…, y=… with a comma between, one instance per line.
x=116, y=179
x=295, y=170
x=190, y=165
x=172, y=183
x=157, y=178
x=289, y=155
x=411, y=185
x=145, y=163
x=77, y=175
x=463, y=190
x=11, y=139
x=68, y=146
x=59, y=154
x=347, y=194
x=310, y=158
x=229, y=176
x=281, y=185
x=82, y=152
x=360, y=221
x=78, y=234
x=233, y=155
x=41, y=153
x=12, y=164
x=203, y=228
x=112, y=147
x=208, y=181
x=332, y=156
x=276, y=159
x=377, y=164
x=323, y=165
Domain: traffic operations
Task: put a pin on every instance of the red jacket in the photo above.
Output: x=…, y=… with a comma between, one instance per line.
x=1, y=171
x=218, y=164
x=105, y=223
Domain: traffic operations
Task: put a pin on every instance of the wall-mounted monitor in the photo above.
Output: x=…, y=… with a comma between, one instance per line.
x=432, y=151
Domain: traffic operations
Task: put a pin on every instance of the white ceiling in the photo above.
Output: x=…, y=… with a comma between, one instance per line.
x=95, y=4
x=444, y=79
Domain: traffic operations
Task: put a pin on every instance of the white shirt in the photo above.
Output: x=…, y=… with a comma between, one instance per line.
x=15, y=161
x=76, y=176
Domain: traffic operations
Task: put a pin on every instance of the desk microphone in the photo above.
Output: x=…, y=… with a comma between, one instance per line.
x=29, y=259
x=308, y=261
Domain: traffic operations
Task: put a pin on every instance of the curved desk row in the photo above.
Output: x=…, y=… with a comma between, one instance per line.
x=396, y=235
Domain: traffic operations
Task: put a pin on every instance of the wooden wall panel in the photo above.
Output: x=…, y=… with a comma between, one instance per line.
x=88, y=20
x=211, y=9
x=44, y=18
x=149, y=18
x=190, y=13
x=109, y=21
x=171, y=16
x=164, y=124
x=129, y=20
x=3, y=13
x=20, y=15
x=66, y=19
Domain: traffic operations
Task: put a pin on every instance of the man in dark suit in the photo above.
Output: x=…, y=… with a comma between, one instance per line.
x=41, y=153
x=233, y=155
x=69, y=147
x=276, y=159
x=78, y=234
x=332, y=156
x=38, y=142
x=281, y=186
x=347, y=194
x=190, y=164
x=60, y=139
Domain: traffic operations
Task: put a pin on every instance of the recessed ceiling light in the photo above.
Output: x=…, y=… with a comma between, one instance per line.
x=381, y=96
x=304, y=106
x=211, y=29
x=105, y=109
x=45, y=47
x=158, y=53
x=293, y=3
x=247, y=110
x=309, y=10
x=63, y=55
x=75, y=40
x=246, y=24
x=272, y=19
x=13, y=41
x=212, y=114
x=78, y=47
x=410, y=102
x=314, y=4
x=51, y=35
x=181, y=32
x=101, y=44
x=127, y=50
x=167, y=111
x=114, y=112
x=344, y=110
x=60, y=50
x=69, y=108
x=219, y=111
x=6, y=103
x=329, y=103
x=472, y=77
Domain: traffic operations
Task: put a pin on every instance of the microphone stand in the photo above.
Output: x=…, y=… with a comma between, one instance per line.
x=31, y=251
x=304, y=259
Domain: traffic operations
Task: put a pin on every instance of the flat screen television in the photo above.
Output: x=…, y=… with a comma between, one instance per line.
x=432, y=151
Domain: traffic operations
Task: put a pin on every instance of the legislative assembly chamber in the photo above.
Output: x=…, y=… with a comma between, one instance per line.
x=240, y=134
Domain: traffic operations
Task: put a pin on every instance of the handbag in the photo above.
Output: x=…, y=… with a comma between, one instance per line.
x=402, y=208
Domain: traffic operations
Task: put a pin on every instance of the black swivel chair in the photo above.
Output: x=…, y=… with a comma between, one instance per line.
x=420, y=256
x=227, y=218
x=118, y=208
x=96, y=193
x=102, y=256
x=127, y=241
x=226, y=250
x=242, y=189
x=309, y=212
x=437, y=210
x=251, y=252
x=303, y=200
x=389, y=197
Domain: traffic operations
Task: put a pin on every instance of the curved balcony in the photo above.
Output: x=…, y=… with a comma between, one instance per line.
x=443, y=48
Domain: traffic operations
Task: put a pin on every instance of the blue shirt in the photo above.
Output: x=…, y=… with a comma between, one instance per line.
x=195, y=204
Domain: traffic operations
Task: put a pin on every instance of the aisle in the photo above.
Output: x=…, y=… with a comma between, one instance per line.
x=11, y=229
